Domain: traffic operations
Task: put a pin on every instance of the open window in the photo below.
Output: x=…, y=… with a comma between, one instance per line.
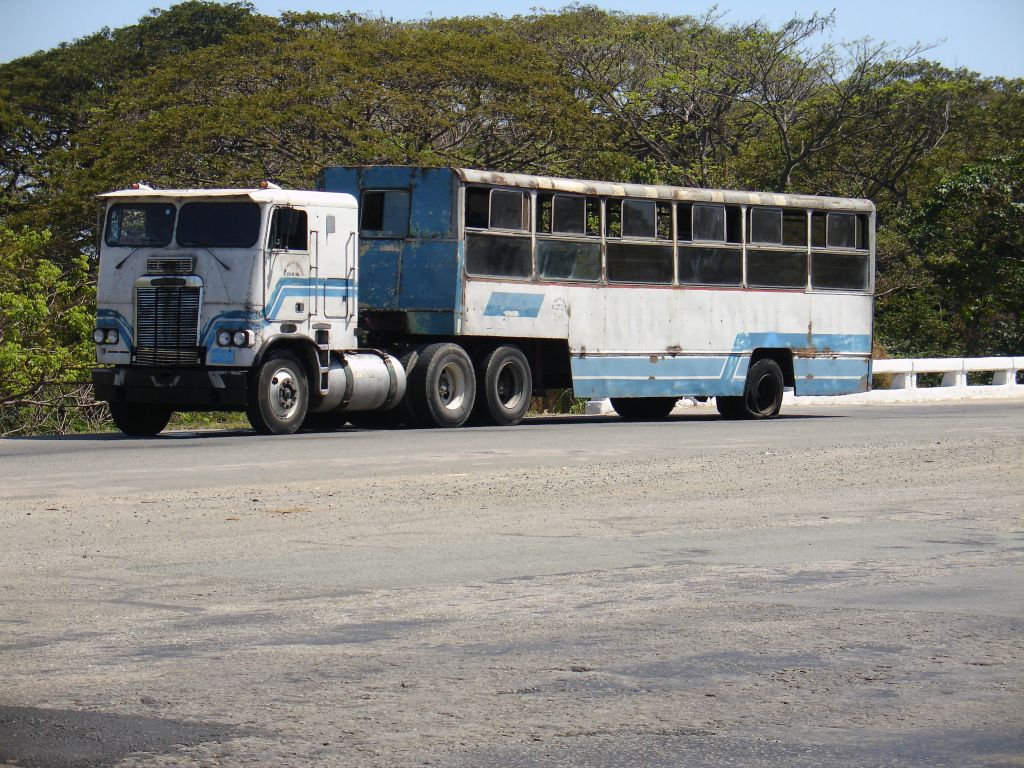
x=384, y=214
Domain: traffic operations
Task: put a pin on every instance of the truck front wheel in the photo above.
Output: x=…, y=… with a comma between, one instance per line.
x=140, y=420
x=279, y=397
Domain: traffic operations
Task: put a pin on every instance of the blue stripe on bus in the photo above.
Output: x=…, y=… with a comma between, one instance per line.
x=820, y=343
x=503, y=304
x=665, y=376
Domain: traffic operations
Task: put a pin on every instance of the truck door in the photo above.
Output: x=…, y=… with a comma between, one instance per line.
x=290, y=267
x=338, y=268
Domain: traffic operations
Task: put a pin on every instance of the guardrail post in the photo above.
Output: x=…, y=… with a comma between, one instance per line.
x=954, y=379
x=1007, y=377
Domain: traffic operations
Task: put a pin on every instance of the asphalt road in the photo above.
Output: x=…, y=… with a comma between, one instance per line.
x=840, y=587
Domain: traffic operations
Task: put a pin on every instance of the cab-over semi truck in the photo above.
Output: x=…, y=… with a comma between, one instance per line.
x=432, y=296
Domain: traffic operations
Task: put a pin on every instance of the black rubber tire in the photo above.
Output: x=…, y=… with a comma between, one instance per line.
x=504, y=385
x=441, y=387
x=140, y=420
x=730, y=407
x=324, y=422
x=644, y=408
x=762, y=393
x=279, y=396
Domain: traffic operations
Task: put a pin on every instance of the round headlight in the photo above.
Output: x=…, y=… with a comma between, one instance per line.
x=98, y=335
x=224, y=338
x=111, y=336
x=239, y=338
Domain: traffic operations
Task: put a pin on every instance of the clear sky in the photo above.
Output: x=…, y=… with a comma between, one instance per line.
x=982, y=35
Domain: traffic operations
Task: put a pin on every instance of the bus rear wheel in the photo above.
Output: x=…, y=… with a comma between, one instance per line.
x=140, y=420
x=441, y=386
x=503, y=387
x=762, y=394
x=644, y=408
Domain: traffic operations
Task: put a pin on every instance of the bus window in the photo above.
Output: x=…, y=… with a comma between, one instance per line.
x=639, y=263
x=478, y=203
x=766, y=226
x=841, y=230
x=840, y=271
x=709, y=223
x=385, y=214
x=794, y=228
x=776, y=269
x=569, y=215
x=710, y=266
x=508, y=210
x=498, y=256
x=638, y=218
x=569, y=260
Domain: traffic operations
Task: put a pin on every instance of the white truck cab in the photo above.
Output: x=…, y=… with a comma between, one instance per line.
x=233, y=299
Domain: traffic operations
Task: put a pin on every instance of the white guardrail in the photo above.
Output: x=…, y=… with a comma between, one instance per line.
x=904, y=384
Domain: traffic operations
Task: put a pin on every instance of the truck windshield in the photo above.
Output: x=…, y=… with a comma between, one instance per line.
x=138, y=224
x=219, y=225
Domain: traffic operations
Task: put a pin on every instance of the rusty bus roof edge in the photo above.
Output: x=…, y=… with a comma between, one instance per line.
x=659, y=191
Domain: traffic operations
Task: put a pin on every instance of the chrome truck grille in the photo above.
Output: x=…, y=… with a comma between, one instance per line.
x=170, y=265
x=167, y=326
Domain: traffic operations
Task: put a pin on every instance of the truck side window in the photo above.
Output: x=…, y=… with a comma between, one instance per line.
x=288, y=230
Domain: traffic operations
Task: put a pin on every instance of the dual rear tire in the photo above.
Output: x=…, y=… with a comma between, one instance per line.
x=446, y=389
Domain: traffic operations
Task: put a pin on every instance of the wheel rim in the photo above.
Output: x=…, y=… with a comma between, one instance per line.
x=764, y=395
x=284, y=393
x=509, y=386
x=451, y=386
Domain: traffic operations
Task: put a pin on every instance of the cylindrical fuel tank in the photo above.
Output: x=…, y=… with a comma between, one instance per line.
x=363, y=381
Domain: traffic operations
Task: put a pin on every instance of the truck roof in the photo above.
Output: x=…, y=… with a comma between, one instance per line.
x=279, y=196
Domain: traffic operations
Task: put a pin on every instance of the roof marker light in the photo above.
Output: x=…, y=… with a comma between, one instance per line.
x=268, y=185
x=140, y=185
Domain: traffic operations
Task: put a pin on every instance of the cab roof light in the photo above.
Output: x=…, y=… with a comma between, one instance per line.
x=141, y=185
x=266, y=184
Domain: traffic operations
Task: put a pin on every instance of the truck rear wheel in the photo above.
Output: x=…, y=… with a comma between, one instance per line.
x=644, y=408
x=503, y=387
x=280, y=395
x=140, y=420
x=441, y=386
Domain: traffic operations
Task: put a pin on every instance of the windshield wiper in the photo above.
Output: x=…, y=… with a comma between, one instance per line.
x=214, y=255
x=122, y=261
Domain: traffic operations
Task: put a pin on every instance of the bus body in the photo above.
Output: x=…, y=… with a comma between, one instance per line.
x=476, y=290
x=654, y=291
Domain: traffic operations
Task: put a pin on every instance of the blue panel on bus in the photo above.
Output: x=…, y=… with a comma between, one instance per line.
x=825, y=376
x=430, y=275
x=433, y=195
x=379, y=262
x=505, y=304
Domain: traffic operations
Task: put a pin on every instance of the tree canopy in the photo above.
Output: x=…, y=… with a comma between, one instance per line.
x=215, y=94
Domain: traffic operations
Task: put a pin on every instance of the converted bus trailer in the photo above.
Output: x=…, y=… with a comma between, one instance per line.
x=475, y=289
x=639, y=293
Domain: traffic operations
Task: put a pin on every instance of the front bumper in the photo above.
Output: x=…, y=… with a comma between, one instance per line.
x=196, y=389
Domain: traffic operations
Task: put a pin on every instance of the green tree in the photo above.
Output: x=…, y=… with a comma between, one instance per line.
x=45, y=348
x=953, y=282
